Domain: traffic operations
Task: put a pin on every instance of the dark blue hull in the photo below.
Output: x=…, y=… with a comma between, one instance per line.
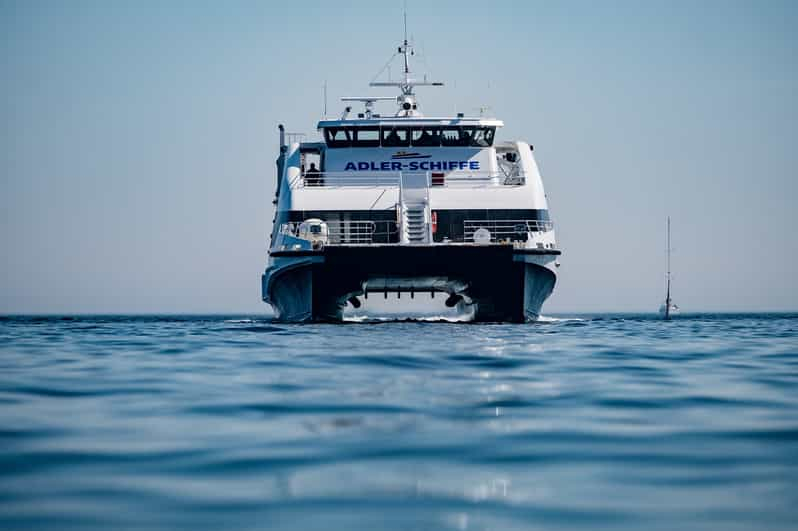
x=497, y=283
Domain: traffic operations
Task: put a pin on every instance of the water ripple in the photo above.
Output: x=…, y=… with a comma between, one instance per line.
x=239, y=422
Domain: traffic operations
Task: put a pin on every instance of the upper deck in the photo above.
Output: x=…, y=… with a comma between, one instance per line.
x=412, y=121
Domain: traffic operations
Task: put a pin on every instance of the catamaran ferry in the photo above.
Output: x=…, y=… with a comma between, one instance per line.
x=409, y=204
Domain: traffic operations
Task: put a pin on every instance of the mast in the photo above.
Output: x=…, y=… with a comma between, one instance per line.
x=405, y=51
x=408, y=106
x=668, y=274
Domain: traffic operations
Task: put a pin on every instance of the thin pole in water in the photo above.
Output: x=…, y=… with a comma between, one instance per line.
x=668, y=291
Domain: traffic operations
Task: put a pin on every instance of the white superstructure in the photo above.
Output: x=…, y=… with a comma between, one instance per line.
x=409, y=203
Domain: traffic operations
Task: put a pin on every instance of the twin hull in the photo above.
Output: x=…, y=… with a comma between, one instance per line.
x=492, y=282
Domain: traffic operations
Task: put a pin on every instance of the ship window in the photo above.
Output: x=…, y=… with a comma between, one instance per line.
x=483, y=136
x=453, y=136
x=426, y=136
x=395, y=137
x=338, y=137
x=366, y=137
x=467, y=136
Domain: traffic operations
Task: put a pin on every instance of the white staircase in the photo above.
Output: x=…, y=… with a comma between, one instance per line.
x=414, y=203
x=415, y=223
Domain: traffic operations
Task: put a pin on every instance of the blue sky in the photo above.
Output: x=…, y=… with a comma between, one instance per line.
x=137, y=140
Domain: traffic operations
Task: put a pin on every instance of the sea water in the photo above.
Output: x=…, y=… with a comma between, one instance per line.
x=238, y=422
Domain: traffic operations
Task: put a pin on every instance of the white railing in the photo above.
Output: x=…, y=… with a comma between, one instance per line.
x=392, y=179
x=504, y=229
x=387, y=231
x=295, y=138
x=352, y=232
x=331, y=179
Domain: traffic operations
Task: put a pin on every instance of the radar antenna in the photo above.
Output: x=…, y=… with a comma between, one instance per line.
x=408, y=105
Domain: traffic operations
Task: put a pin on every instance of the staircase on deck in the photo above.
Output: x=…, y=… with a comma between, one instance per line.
x=414, y=203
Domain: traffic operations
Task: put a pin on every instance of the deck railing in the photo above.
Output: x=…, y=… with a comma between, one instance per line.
x=502, y=230
x=331, y=179
x=353, y=231
x=361, y=232
x=389, y=179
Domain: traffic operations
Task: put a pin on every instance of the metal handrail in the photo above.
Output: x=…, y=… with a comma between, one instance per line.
x=387, y=231
x=509, y=225
x=330, y=179
x=385, y=179
x=351, y=231
x=295, y=138
x=505, y=228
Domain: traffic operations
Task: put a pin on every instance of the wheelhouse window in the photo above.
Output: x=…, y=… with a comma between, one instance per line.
x=483, y=136
x=366, y=137
x=338, y=137
x=395, y=137
x=452, y=136
x=470, y=136
x=390, y=136
x=426, y=136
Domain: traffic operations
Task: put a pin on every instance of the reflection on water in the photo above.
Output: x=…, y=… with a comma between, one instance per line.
x=232, y=422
